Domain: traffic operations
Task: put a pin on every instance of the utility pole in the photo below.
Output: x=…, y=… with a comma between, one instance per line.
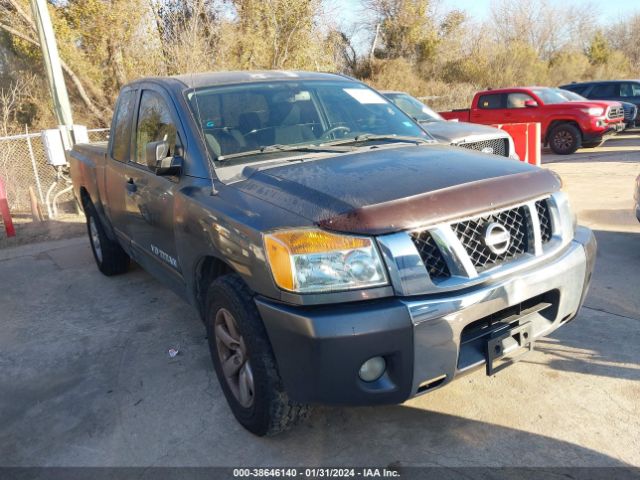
x=51, y=59
x=373, y=44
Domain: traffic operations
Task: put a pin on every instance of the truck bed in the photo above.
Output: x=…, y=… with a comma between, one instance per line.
x=460, y=114
x=86, y=161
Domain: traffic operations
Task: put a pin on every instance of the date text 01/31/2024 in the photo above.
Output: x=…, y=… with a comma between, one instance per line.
x=315, y=473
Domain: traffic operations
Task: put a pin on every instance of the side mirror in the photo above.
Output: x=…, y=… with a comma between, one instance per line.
x=530, y=103
x=159, y=161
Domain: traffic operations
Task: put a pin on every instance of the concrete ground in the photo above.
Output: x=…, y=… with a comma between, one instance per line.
x=85, y=378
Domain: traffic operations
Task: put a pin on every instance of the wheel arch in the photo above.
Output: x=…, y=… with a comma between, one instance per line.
x=208, y=268
x=556, y=123
x=85, y=197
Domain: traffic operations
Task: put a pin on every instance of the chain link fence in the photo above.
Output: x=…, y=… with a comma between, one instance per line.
x=23, y=166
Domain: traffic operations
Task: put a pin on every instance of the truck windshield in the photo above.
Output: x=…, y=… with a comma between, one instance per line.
x=571, y=96
x=253, y=122
x=550, y=96
x=414, y=107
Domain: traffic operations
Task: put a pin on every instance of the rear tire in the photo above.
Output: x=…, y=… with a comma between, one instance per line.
x=565, y=139
x=110, y=258
x=249, y=379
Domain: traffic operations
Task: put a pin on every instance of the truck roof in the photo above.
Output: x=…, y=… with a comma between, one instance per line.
x=594, y=82
x=509, y=89
x=206, y=79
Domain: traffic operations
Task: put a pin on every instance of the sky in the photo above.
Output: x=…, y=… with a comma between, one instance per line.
x=610, y=10
x=349, y=12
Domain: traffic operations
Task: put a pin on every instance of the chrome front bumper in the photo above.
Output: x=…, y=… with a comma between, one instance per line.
x=320, y=349
x=438, y=323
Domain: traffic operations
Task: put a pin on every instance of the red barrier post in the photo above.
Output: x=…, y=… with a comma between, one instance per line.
x=527, y=141
x=4, y=211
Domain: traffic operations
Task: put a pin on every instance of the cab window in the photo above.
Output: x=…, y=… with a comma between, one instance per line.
x=517, y=100
x=491, y=102
x=154, y=124
x=122, y=126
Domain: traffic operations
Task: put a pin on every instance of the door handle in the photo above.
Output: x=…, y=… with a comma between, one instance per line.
x=131, y=186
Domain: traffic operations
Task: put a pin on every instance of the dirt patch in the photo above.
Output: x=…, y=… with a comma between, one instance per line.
x=28, y=231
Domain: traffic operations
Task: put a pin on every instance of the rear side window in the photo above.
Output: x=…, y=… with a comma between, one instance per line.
x=491, y=102
x=121, y=135
x=605, y=91
x=154, y=124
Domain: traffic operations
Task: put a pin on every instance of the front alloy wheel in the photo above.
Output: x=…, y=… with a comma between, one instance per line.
x=244, y=362
x=232, y=353
x=565, y=139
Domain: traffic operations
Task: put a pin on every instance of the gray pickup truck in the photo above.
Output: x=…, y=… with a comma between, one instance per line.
x=484, y=138
x=336, y=254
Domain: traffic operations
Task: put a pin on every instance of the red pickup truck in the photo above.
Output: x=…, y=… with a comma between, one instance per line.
x=566, y=126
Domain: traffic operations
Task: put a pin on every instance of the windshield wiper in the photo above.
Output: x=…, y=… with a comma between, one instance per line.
x=365, y=137
x=325, y=147
x=279, y=148
x=396, y=138
x=302, y=148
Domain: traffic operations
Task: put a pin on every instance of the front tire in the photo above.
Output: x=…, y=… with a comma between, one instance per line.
x=565, y=139
x=244, y=361
x=110, y=258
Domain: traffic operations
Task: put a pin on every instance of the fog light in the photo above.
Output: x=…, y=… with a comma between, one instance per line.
x=372, y=369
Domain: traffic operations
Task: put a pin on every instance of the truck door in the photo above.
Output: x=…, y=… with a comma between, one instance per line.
x=630, y=92
x=115, y=168
x=517, y=110
x=150, y=197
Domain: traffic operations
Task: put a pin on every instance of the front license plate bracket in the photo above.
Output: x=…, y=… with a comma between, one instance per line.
x=501, y=345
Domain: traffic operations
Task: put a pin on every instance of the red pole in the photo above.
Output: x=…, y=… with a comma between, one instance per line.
x=4, y=211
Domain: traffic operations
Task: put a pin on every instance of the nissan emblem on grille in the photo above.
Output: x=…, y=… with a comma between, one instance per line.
x=487, y=150
x=496, y=238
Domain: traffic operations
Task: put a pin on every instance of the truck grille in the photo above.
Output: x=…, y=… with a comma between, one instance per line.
x=518, y=221
x=471, y=235
x=431, y=255
x=542, y=207
x=616, y=112
x=500, y=146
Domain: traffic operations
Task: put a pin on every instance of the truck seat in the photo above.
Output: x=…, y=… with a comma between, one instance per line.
x=225, y=141
x=290, y=130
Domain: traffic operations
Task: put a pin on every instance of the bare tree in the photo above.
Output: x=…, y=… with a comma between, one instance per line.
x=624, y=36
x=546, y=26
x=16, y=21
x=13, y=99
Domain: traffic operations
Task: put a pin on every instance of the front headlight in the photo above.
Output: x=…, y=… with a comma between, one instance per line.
x=307, y=261
x=595, y=111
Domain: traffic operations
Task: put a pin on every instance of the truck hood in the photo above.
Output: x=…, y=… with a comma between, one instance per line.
x=456, y=132
x=386, y=189
x=589, y=104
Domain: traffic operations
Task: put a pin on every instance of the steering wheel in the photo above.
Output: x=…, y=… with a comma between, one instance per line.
x=325, y=135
